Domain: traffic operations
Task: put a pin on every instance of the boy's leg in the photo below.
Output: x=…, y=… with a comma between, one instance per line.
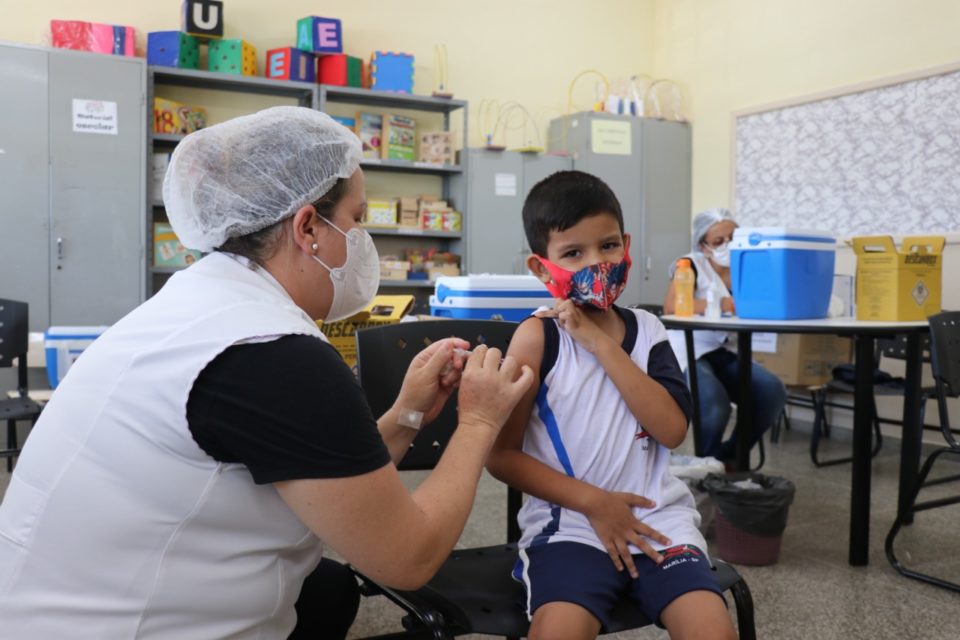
x=563, y=621
x=571, y=589
x=682, y=594
x=698, y=615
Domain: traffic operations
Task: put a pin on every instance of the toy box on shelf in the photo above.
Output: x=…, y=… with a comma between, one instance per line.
x=399, y=138
x=290, y=63
x=436, y=147
x=167, y=249
x=232, y=56
x=173, y=117
x=370, y=132
x=173, y=49
x=93, y=36
x=340, y=70
x=394, y=269
x=202, y=19
x=381, y=212
x=391, y=72
x=320, y=35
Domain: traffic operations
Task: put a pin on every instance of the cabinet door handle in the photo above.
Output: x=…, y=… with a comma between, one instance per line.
x=59, y=248
x=649, y=266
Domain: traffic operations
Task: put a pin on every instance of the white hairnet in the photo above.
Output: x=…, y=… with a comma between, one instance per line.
x=706, y=219
x=243, y=175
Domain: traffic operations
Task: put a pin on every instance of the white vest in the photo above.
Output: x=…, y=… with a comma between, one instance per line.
x=116, y=523
x=580, y=425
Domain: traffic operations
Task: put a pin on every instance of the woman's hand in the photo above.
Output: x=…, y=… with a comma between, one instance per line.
x=491, y=388
x=432, y=376
x=611, y=516
x=578, y=324
x=727, y=306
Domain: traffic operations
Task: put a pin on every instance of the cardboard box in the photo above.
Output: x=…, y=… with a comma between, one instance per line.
x=442, y=270
x=383, y=310
x=802, y=360
x=394, y=269
x=382, y=212
x=898, y=285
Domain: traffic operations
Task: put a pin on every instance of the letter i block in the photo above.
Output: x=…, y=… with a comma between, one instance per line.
x=340, y=70
x=232, y=56
x=202, y=18
x=320, y=35
x=290, y=63
x=173, y=49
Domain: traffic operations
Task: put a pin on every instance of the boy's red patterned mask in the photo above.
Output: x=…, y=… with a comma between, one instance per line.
x=597, y=286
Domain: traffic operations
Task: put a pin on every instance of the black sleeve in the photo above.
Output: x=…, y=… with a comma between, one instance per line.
x=288, y=409
x=662, y=366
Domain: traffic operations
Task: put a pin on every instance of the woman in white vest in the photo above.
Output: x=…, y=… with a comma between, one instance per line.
x=717, y=367
x=186, y=475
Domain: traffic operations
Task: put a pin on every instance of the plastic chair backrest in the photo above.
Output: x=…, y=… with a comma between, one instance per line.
x=383, y=356
x=14, y=331
x=655, y=309
x=896, y=348
x=945, y=350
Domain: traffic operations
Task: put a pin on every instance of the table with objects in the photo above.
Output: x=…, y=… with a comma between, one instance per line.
x=864, y=333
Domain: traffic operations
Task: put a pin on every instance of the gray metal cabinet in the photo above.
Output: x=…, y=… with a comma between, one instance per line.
x=71, y=201
x=647, y=164
x=494, y=188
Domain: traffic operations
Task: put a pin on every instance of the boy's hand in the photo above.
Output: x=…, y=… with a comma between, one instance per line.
x=611, y=516
x=578, y=324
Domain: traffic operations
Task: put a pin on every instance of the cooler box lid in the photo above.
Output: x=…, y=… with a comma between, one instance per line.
x=490, y=286
x=755, y=238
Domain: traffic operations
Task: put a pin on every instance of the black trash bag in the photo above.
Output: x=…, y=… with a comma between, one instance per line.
x=762, y=512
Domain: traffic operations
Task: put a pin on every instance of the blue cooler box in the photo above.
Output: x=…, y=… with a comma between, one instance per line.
x=488, y=297
x=63, y=345
x=782, y=274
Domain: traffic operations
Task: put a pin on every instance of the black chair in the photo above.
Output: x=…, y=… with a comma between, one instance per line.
x=14, y=342
x=945, y=363
x=894, y=349
x=473, y=592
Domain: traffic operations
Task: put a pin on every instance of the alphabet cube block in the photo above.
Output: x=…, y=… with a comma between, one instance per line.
x=202, y=18
x=320, y=35
x=391, y=72
x=290, y=64
x=173, y=49
x=92, y=36
x=232, y=56
x=340, y=70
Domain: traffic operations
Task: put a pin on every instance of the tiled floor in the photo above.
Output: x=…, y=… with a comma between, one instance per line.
x=811, y=592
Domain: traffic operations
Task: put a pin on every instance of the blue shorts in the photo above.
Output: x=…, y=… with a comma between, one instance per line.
x=581, y=574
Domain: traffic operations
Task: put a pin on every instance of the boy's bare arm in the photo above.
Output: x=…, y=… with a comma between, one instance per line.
x=649, y=402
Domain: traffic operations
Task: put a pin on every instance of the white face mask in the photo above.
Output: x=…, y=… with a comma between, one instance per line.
x=356, y=282
x=721, y=254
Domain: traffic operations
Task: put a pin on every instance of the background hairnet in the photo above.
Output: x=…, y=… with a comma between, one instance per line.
x=704, y=220
x=243, y=175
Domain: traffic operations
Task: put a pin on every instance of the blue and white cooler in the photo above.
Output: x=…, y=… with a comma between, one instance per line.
x=63, y=345
x=488, y=297
x=780, y=273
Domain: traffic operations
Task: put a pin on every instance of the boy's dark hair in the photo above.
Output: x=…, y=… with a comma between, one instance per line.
x=563, y=199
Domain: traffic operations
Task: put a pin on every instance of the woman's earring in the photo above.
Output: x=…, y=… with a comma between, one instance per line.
x=314, y=246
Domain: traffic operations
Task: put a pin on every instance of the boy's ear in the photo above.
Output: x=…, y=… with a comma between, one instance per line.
x=536, y=268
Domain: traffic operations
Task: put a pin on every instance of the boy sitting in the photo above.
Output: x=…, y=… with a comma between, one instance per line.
x=590, y=442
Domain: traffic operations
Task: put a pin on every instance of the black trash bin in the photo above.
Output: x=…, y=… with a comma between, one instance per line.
x=749, y=520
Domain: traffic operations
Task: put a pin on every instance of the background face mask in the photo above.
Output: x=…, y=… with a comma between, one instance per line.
x=355, y=283
x=721, y=254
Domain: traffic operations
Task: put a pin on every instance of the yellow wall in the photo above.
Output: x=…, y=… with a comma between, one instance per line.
x=524, y=50
x=735, y=54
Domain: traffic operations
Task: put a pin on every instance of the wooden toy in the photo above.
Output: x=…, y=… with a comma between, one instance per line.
x=391, y=72
x=202, y=18
x=173, y=49
x=436, y=147
x=340, y=70
x=290, y=63
x=320, y=35
x=232, y=56
x=92, y=36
